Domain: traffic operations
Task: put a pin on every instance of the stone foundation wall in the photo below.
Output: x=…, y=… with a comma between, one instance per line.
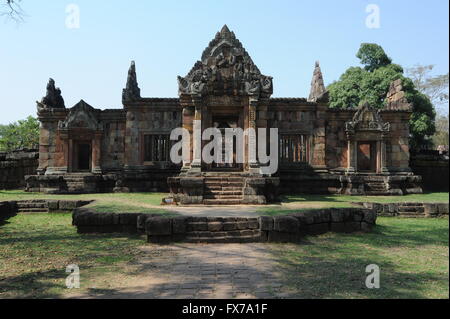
x=287, y=228
x=14, y=166
x=297, y=182
x=40, y=206
x=7, y=210
x=434, y=171
x=88, y=221
x=409, y=209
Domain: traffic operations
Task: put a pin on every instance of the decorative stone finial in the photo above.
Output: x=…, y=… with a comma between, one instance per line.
x=396, y=99
x=318, y=92
x=53, y=98
x=132, y=92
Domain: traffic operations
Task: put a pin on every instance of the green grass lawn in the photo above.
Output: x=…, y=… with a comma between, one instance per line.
x=413, y=256
x=35, y=250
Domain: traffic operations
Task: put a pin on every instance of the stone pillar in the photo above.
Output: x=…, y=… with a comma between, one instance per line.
x=196, y=165
x=187, y=122
x=252, y=140
x=351, y=156
x=44, y=145
x=383, y=165
x=96, y=153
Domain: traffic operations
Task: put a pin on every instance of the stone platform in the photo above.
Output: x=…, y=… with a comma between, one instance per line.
x=223, y=189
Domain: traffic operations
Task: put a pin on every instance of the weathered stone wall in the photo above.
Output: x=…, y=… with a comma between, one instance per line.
x=428, y=210
x=336, y=139
x=7, y=210
x=88, y=221
x=41, y=206
x=149, y=116
x=397, y=146
x=288, y=228
x=14, y=166
x=434, y=171
x=113, y=140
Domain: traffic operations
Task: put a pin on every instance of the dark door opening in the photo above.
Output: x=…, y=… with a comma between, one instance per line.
x=83, y=157
x=367, y=157
x=223, y=123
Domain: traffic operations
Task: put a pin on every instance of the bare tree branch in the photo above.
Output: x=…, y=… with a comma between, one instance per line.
x=435, y=87
x=12, y=10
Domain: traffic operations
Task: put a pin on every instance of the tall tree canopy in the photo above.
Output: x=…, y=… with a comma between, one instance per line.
x=372, y=83
x=22, y=134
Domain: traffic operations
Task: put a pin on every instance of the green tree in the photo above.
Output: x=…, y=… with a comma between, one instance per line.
x=372, y=56
x=372, y=83
x=436, y=88
x=21, y=134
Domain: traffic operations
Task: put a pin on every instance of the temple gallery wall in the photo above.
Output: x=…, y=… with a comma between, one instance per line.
x=321, y=150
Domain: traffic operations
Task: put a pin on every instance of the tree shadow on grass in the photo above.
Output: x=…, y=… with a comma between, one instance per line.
x=345, y=277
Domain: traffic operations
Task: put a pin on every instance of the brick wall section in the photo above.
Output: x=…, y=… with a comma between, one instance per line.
x=14, y=166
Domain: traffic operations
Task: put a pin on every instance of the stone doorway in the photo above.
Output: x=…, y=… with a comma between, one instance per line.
x=367, y=157
x=83, y=155
x=223, y=123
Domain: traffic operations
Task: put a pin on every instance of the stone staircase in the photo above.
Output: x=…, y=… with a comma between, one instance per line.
x=411, y=210
x=223, y=190
x=375, y=188
x=80, y=183
x=224, y=230
x=35, y=206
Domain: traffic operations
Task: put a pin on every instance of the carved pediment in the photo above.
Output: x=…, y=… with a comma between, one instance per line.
x=227, y=68
x=367, y=118
x=81, y=116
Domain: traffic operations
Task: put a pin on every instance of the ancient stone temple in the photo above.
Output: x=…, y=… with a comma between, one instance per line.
x=358, y=150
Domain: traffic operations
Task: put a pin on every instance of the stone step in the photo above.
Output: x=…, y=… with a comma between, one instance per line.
x=31, y=205
x=222, y=192
x=32, y=210
x=410, y=215
x=223, y=189
x=224, y=184
x=411, y=209
x=375, y=193
x=411, y=204
x=233, y=197
x=222, y=201
x=223, y=240
x=224, y=179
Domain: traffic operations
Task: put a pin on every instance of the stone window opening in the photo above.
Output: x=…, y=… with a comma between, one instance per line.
x=157, y=147
x=294, y=148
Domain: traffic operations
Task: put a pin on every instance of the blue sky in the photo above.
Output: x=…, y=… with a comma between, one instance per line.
x=165, y=38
